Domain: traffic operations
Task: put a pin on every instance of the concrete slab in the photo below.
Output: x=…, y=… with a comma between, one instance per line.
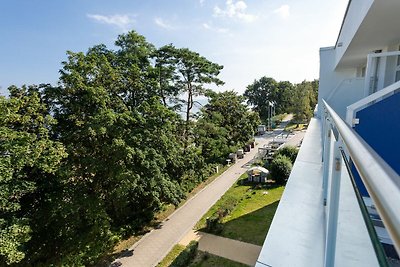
x=228, y=248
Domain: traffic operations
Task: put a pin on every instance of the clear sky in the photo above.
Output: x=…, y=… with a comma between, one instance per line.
x=250, y=38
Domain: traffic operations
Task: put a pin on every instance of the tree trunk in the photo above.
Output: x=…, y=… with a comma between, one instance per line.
x=189, y=107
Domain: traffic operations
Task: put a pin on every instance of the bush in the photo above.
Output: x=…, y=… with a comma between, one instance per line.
x=186, y=256
x=214, y=222
x=288, y=151
x=280, y=168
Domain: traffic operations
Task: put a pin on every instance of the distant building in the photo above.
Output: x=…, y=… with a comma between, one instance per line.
x=319, y=221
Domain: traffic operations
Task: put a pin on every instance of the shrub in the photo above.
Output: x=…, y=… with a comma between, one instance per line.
x=214, y=222
x=288, y=151
x=186, y=256
x=280, y=168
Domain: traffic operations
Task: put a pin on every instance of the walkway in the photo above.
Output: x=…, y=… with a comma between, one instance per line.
x=155, y=245
x=225, y=247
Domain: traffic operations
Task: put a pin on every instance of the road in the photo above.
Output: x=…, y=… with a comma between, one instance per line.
x=155, y=245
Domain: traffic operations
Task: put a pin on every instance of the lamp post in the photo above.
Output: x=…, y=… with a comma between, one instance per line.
x=271, y=113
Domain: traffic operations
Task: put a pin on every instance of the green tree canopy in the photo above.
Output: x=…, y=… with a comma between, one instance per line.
x=261, y=93
x=304, y=103
x=28, y=158
x=94, y=158
x=225, y=123
x=299, y=99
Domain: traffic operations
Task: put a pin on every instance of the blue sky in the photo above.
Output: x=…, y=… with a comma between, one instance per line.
x=251, y=38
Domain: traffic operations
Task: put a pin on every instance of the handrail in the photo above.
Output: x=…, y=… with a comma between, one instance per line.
x=381, y=181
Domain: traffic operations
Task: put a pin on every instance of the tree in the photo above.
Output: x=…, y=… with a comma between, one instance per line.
x=225, y=124
x=133, y=64
x=284, y=97
x=261, y=93
x=165, y=67
x=93, y=158
x=301, y=106
x=314, y=94
x=288, y=151
x=124, y=148
x=28, y=160
x=192, y=72
x=280, y=168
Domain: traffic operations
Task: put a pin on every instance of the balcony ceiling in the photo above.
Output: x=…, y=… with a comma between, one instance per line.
x=379, y=29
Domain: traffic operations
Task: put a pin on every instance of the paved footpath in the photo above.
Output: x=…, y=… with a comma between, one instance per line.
x=155, y=245
x=235, y=250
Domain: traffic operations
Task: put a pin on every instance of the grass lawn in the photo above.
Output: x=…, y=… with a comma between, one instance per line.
x=251, y=218
x=204, y=259
x=172, y=255
x=292, y=126
x=279, y=117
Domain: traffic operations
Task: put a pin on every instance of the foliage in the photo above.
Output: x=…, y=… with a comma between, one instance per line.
x=280, y=168
x=28, y=162
x=292, y=126
x=260, y=94
x=277, y=119
x=186, y=256
x=288, y=151
x=205, y=259
x=186, y=72
x=286, y=97
x=172, y=255
x=264, y=91
x=225, y=207
x=305, y=101
x=224, y=125
x=93, y=159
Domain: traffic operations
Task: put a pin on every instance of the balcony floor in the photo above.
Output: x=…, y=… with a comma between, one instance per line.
x=295, y=237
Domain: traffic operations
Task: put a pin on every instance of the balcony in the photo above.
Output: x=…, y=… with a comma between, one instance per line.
x=321, y=219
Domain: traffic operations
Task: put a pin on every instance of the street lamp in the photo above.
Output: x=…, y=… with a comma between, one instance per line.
x=271, y=113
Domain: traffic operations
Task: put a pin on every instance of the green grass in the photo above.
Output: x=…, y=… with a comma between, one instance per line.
x=279, y=117
x=172, y=255
x=292, y=126
x=204, y=259
x=251, y=218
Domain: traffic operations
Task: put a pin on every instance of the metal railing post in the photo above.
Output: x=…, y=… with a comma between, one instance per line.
x=326, y=159
x=323, y=127
x=333, y=208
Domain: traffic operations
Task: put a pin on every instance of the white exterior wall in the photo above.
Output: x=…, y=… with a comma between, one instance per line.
x=333, y=84
x=355, y=15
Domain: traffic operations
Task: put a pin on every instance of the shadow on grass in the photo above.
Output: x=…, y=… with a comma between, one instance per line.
x=251, y=227
x=257, y=186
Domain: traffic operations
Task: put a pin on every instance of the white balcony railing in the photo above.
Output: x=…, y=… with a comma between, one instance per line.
x=381, y=181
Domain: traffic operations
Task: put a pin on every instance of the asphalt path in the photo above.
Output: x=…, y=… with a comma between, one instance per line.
x=156, y=244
